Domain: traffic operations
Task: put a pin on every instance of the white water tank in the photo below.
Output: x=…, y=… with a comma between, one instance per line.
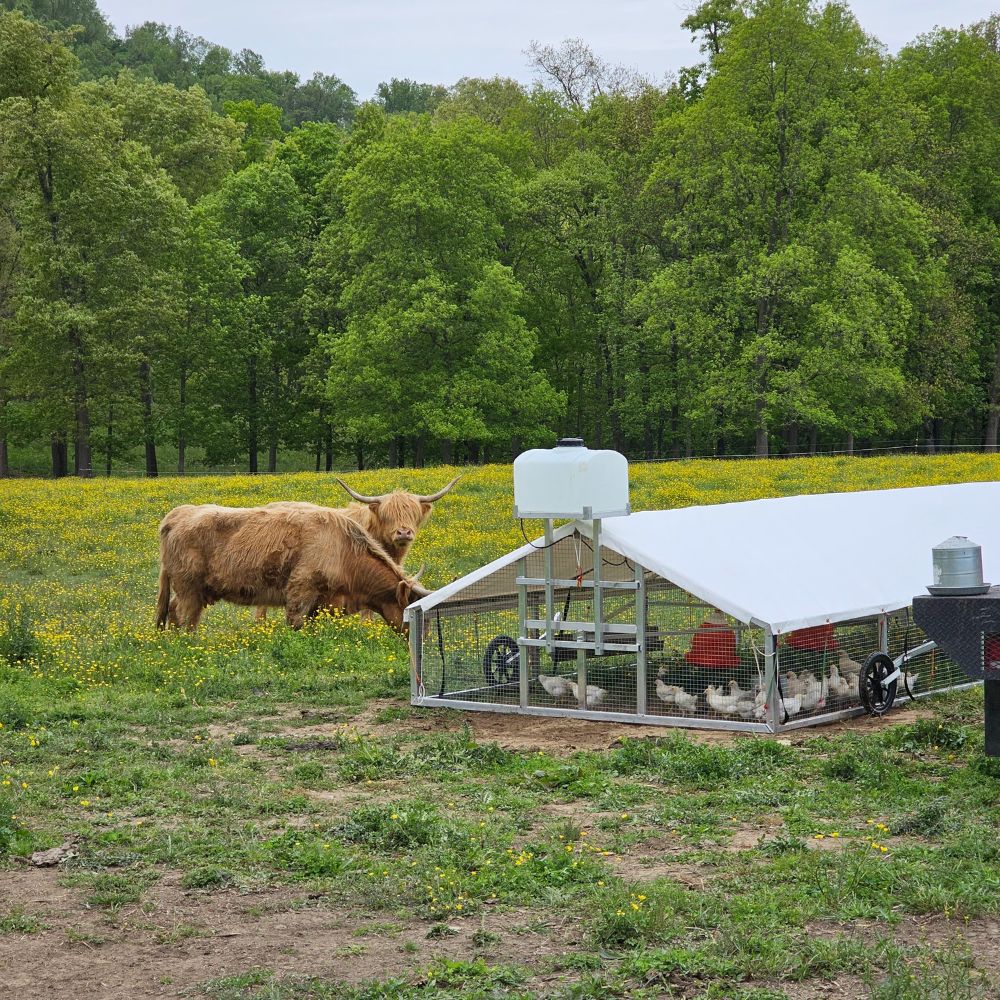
x=570, y=480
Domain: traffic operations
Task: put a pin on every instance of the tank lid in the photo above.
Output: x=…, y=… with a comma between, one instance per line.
x=570, y=443
x=955, y=542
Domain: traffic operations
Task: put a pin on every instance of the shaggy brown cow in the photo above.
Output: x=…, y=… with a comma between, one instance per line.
x=301, y=558
x=392, y=519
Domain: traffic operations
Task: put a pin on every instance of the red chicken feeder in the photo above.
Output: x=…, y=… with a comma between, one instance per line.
x=713, y=646
x=818, y=639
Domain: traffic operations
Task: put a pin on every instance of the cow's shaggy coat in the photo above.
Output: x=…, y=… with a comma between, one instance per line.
x=297, y=556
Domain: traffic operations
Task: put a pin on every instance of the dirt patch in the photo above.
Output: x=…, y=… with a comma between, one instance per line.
x=555, y=735
x=177, y=939
x=982, y=936
x=842, y=987
x=523, y=732
x=643, y=868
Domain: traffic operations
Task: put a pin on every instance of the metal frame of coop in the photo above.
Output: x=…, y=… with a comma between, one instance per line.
x=482, y=644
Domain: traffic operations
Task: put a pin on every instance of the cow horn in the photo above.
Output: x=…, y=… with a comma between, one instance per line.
x=434, y=497
x=419, y=573
x=358, y=496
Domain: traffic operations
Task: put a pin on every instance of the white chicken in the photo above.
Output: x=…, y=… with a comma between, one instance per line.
x=792, y=706
x=912, y=679
x=813, y=695
x=791, y=684
x=686, y=702
x=556, y=686
x=595, y=694
x=848, y=667
x=840, y=687
x=718, y=702
x=752, y=708
x=737, y=692
x=667, y=693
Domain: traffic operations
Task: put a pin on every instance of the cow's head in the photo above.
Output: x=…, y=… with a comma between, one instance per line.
x=407, y=591
x=398, y=516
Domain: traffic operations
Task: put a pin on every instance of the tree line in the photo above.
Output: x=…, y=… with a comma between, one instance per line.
x=790, y=245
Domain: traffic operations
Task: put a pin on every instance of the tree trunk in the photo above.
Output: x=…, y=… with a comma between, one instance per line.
x=474, y=453
x=319, y=453
x=675, y=445
x=993, y=408
x=252, y=425
x=761, y=443
x=579, y=403
x=617, y=435
x=109, y=448
x=60, y=465
x=394, y=453
x=599, y=410
x=359, y=457
x=81, y=407
x=182, y=424
x=272, y=431
x=418, y=452
x=813, y=440
x=647, y=417
x=4, y=462
x=329, y=448
x=792, y=438
x=148, y=436
x=929, y=436
x=447, y=451
x=849, y=447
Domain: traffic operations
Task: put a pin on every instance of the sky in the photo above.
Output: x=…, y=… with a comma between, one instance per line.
x=438, y=41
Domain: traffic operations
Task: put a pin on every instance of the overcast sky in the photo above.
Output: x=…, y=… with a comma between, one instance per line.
x=439, y=41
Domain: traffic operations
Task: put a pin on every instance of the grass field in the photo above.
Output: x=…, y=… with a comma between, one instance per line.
x=260, y=813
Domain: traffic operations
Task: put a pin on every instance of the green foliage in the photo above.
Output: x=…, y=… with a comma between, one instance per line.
x=202, y=257
x=261, y=126
x=393, y=827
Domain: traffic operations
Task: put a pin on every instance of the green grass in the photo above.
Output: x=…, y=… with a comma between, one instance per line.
x=17, y=921
x=227, y=762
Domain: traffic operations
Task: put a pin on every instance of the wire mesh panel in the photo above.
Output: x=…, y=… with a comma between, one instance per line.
x=578, y=678
x=927, y=668
x=702, y=663
x=701, y=667
x=819, y=668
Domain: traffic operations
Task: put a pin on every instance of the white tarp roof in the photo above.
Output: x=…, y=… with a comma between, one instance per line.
x=797, y=561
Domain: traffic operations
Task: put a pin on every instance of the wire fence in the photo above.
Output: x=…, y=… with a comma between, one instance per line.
x=235, y=469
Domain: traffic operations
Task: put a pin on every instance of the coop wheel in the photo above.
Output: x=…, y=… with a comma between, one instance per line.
x=876, y=698
x=502, y=661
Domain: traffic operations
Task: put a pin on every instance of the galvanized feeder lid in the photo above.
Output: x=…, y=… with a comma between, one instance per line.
x=958, y=568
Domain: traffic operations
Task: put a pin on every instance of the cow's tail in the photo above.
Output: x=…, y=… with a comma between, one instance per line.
x=163, y=598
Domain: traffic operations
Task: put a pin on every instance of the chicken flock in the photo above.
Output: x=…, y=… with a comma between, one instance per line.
x=800, y=692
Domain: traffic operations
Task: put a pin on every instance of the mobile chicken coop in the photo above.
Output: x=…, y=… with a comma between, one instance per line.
x=756, y=616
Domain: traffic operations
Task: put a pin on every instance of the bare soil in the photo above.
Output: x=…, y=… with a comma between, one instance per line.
x=528, y=732
x=176, y=939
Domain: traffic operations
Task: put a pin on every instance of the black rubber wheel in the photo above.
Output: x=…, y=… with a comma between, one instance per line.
x=502, y=661
x=877, y=699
